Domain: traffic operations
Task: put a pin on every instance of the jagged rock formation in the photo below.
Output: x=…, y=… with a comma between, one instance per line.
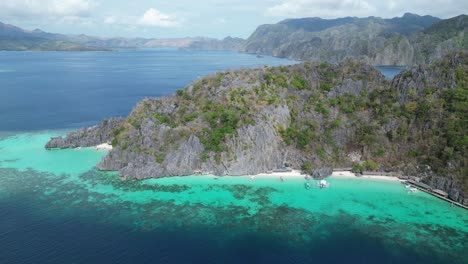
x=87, y=137
x=408, y=40
x=311, y=116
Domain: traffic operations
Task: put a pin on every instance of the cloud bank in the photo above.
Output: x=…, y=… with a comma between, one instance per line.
x=363, y=8
x=47, y=8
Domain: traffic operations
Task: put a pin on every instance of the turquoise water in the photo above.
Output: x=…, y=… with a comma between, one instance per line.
x=265, y=221
x=55, y=207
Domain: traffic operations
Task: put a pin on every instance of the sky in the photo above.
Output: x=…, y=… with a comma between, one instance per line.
x=211, y=18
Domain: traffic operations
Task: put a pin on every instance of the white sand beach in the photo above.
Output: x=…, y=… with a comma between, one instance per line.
x=288, y=174
x=336, y=174
x=348, y=174
x=104, y=146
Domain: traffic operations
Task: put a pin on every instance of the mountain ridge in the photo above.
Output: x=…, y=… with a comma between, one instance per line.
x=376, y=41
x=407, y=40
x=16, y=38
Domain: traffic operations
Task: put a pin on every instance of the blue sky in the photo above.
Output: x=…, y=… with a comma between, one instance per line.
x=212, y=18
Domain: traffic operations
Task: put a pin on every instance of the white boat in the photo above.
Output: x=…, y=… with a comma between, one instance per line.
x=412, y=190
x=323, y=184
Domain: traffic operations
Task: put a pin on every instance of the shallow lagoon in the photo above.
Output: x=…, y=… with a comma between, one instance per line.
x=210, y=220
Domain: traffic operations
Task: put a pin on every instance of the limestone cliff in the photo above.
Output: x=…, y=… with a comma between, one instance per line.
x=408, y=40
x=307, y=116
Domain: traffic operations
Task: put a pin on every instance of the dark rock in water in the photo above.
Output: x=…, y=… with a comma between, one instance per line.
x=322, y=173
x=87, y=137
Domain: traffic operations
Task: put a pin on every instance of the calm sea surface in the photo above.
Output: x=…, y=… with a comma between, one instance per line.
x=49, y=90
x=56, y=208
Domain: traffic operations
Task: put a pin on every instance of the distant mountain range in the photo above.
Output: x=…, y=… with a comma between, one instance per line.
x=15, y=38
x=407, y=40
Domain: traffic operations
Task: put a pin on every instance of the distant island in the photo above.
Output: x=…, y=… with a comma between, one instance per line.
x=334, y=110
x=407, y=40
x=13, y=38
x=312, y=116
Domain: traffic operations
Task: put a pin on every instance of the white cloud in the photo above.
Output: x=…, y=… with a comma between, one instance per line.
x=110, y=20
x=154, y=17
x=47, y=8
x=321, y=8
x=362, y=8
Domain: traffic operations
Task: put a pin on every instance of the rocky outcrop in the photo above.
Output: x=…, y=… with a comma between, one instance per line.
x=451, y=186
x=254, y=149
x=321, y=173
x=309, y=115
x=87, y=137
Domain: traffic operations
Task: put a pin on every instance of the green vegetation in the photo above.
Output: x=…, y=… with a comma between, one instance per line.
x=117, y=135
x=358, y=168
x=164, y=119
x=222, y=122
x=307, y=167
x=389, y=125
x=299, y=83
x=370, y=165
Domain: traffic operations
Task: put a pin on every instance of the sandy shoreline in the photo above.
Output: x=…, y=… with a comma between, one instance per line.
x=290, y=174
x=350, y=175
x=336, y=174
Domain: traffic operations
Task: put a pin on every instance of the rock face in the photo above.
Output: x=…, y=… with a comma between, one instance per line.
x=408, y=40
x=310, y=115
x=87, y=137
x=321, y=173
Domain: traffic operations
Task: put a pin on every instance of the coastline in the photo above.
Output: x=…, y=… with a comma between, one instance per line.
x=295, y=174
x=351, y=175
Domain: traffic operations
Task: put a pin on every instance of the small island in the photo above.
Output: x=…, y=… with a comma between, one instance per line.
x=310, y=116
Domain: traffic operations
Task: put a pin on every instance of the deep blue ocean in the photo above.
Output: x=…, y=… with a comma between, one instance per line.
x=53, y=218
x=49, y=90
